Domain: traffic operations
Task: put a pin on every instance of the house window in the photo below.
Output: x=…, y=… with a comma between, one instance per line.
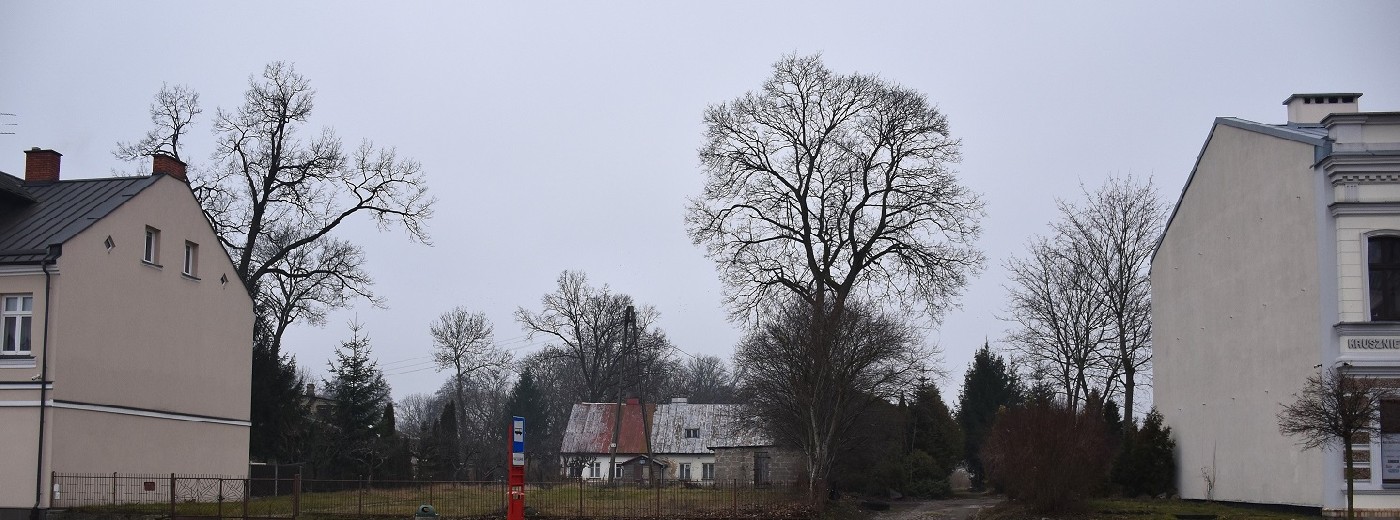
x=575, y=471
x=707, y=471
x=1383, y=268
x=692, y=433
x=151, y=253
x=1390, y=443
x=19, y=317
x=595, y=470
x=191, y=259
x=617, y=470
x=685, y=471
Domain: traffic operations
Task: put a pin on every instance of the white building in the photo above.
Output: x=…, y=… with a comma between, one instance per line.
x=1282, y=256
x=683, y=439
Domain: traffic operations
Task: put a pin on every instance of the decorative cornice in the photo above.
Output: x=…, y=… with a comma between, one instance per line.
x=1364, y=208
x=1368, y=328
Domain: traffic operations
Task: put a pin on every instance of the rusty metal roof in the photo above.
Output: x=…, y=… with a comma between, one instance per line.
x=591, y=426
x=713, y=425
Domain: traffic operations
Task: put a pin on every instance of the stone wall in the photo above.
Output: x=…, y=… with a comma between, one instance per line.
x=737, y=464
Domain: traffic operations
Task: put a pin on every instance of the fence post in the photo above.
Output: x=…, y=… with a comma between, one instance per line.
x=247, y=490
x=296, y=496
x=114, y=488
x=360, y=502
x=580, y=496
x=172, y=496
x=734, y=496
x=221, y=497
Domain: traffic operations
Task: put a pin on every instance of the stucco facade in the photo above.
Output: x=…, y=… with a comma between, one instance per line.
x=1261, y=278
x=139, y=365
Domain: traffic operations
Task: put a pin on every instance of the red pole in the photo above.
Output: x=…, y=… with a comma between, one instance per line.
x=515, y=496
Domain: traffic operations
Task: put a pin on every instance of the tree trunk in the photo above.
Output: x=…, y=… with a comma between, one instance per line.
x=1351, y=491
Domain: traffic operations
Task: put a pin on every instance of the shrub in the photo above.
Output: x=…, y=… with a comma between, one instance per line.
x=1146, y=466
x=1047, y=455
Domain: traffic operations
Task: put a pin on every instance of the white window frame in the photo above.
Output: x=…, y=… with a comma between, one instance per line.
x=595, y=469
x=707, y=471
x=692, y=433
x=150, y=252
x=23, y=343
x=617, y=470
x=191, y=265
x=685, y=471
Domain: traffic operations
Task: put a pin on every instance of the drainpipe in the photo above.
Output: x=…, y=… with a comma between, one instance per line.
x=49, y=259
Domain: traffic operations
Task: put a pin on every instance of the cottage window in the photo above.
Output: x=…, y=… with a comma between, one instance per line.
x=19, y=318
x=151, y=253
x=685, y=471
x=692, y=433
x=191, y=264
x=595, y=470
x=707, y=471
x=1383, y=269
x=617, y=470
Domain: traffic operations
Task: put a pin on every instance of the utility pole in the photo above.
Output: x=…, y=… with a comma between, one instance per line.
x=629, y=321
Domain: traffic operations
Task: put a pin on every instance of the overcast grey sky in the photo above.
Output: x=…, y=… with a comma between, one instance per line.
x=563, y=135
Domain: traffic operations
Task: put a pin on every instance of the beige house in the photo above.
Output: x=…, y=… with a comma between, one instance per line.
x=127, y=336
x=1282, y=257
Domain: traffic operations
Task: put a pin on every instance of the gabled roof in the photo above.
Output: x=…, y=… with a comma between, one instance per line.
x=720, y=425
x=591, y=426
x=36, y=216
x=1315, y=135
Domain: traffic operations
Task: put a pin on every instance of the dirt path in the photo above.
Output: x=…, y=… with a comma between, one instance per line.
x=953, y=509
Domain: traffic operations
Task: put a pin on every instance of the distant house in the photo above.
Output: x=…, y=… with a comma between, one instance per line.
x=690, y=442
x=127, y=335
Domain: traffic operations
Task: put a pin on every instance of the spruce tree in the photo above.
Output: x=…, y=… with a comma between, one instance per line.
x=988, y=385
x=527, y=400
x=360, y=393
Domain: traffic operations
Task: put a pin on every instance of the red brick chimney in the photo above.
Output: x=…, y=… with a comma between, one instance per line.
x=167, y=165
x=41, y=166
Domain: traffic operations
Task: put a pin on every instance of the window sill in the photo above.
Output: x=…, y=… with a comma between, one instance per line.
x=17, y=361
x=152, y=265
x=189, y=277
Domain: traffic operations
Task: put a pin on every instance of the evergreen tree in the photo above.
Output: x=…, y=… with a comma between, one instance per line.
x=360, y=392
x=445, y=461
x=527, y=400
x=1146, y=465
x=988, y=385
x=934, y=431
x=393, y=447
x=279, y=424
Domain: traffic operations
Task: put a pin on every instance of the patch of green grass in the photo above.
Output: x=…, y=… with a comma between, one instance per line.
x=1135, y=509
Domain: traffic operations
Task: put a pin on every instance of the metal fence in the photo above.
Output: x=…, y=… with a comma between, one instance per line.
x=205, y=496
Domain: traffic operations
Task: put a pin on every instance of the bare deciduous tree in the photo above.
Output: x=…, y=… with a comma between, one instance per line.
x=172, y=114
x=824, y=186
x=585, y=325
x=1113, y=235
x=707, y=379
x=1334, y=407
x=1060, y=325
x=812, y=394
x=826, y=189
x=462, y=342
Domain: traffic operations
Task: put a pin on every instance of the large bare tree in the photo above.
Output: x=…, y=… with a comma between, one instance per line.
x=275, y=195
x=584, y=324
x=1112, y=235
x=825, y=189
x=277, y=192
x=1335, y=407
